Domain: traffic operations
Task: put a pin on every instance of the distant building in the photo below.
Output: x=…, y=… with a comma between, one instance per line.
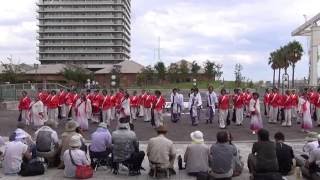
x=83, y=31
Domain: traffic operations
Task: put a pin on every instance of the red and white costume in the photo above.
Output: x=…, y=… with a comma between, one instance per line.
x=53, y=105
x=75, y=98
x=24, y=105
x=106, y=107
x=89, y=99
x=223, y=110
x=142, y=98
x=239, y=103
x=304, y=110
x=147, y=107
x=287, y=105
x=96, y=105
x=37, y=113
x=275, y=101
x=68, y=103
x=134, y=105
x=255, y=114
x=266, y=102
x=62, y=103
x=295, y=102
x=159, y=104
x=81, y=108
x=113, y=106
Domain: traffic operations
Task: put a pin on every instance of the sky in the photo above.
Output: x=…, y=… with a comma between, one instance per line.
x=227, y=32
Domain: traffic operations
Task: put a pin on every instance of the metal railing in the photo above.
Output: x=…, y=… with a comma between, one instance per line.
x=12, y=92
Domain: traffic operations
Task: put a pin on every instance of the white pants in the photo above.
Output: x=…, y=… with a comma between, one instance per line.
x=147, y=114
x=53, y=115
x=134, y=113
x=287, y=117
x=294, y=112
x=25, y=116
x=273, y=114
x=63, y=111
x=141, y=112
x=113, y=113
x=222, y=118
x=158, y=118
x=106, y=116
x=45, y=113
x=318, y=115
x=239, y=115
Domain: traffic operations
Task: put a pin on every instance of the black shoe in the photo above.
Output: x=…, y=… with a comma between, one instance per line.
x=115, y=172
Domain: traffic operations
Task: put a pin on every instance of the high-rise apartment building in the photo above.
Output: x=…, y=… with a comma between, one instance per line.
x=83, y=31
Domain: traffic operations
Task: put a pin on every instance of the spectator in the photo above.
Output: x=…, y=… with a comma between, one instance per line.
x=100, y=142
x=263, y=158
x=69, y=131
x=311, y=168
x=196, y=156
x=222, y=157
x=74, y=154
x=126, y=148
x=161, y=152
x=238, y=164
x=15, y=152
x=311, y=144
x=27, y=140
x=284, y=154
x=47, y=142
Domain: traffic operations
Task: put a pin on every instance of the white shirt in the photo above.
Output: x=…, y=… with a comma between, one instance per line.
x=79, y=158
x=310, y=146
x=125, y=104
x=195, y=100
x=14, y=151
x=37, y=107
x=212, y=97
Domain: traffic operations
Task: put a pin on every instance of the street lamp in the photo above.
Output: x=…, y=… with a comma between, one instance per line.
x=194, y=82
x=113, y=80
x=285, y=81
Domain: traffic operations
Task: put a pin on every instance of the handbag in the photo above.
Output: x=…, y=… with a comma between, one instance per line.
x=32, y=168
x=82, y=171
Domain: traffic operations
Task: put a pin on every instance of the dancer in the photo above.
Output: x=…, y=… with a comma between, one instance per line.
x=305, y=113
x=142, y=97
x=295, y=102
x=37, y=116
x=147, y=107
x=256, y=120
x=195, y=103
x=180, y=103
x=96, y=106
x=89, y=97
x=223, y=108
x=62, y=107
x=81, y=112
x=212, y=102
x=274, y=105
x=53, y=104
x=23, y=107
x=287, y=103
x=106, y=108
x=159, y=104
x=68, y=103
x=239, y=103
x=134, y=105
x=175, y=110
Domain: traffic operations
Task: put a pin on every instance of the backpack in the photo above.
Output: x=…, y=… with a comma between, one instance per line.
x=32, y=168
x=44, y=141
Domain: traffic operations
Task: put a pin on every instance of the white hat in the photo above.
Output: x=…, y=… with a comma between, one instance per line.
x=197, y=136
x=20, y=135
x=75, y=141
x=103, y=125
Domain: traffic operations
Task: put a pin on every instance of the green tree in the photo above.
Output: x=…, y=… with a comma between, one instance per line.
x=210, y=69
x=148, y=75
x=77, y=74
x=173, y=73
x=295, y=51
x=238, y=74
x=160, y=69
x=11, y=72
x=184, y=70
x=273, y=65
x=195, y=68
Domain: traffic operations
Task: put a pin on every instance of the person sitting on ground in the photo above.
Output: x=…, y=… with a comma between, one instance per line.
x=100, y=142
x=311, y=144
x=222, y=157
x=284, y=154
x=74, y=156
x=161, y=152
x=125, y=149
x=15, y=152
x=263, y=158
x=69, y=131
x=28, y=140
x=196, y=156
x=311, y=168
x=238, y=163
x=47, y=142
x=2, y=143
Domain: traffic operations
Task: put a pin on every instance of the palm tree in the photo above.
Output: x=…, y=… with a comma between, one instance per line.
x=295, y=51
x=273, y=66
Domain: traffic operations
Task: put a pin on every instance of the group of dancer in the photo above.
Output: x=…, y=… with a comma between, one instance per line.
x=96, y=106
x=108, y=106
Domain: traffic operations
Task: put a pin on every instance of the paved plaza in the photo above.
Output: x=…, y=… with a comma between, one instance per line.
x=178, y=132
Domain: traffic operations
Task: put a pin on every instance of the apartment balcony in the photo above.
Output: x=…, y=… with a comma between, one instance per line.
x=81, y=38
x=81, y=45
x=79, y=58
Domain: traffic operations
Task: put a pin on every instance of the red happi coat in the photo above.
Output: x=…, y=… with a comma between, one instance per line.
x=24, y=103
